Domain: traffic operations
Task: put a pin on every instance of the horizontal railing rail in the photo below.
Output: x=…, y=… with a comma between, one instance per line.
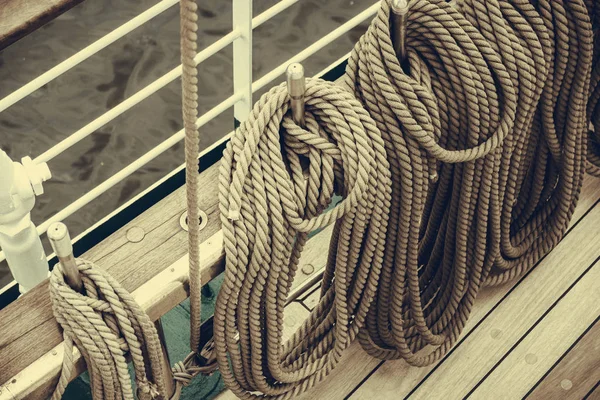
x=156, y=85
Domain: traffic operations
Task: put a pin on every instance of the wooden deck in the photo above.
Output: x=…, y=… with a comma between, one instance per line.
x=538, y=337
x=18, y=18
x=535, y=337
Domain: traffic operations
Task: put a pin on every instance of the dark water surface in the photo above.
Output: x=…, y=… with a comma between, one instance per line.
x=66, y=104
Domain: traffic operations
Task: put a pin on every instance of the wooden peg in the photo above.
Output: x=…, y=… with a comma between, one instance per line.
x=399, y=22
x=296, y=88
x=61, y=243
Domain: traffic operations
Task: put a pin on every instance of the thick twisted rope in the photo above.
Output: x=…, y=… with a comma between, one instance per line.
x=484, y=133
x=189, y=85
x=105, y=323
x=492, y=89
x=268, y=208
x=467, y=174
x=460, y=97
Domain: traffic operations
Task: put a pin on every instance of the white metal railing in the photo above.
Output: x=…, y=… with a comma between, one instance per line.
x=241, y=100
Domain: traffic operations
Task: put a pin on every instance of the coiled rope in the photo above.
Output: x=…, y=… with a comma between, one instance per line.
x=463, y=169
x=268, y=209
x=499, y=91
x=105, y=323
x=443, y=124
x=484, y=128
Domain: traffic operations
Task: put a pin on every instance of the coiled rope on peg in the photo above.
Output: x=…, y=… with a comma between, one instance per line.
x=544, y=167
x=105, y=323
x=444, y=123
x=491, y=101
x=268, y=208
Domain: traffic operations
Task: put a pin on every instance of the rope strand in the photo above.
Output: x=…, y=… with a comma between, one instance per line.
x=268, y=209
x=105, y=324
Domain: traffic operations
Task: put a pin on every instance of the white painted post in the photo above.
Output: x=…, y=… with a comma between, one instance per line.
x=242, y=58
x=19, y=184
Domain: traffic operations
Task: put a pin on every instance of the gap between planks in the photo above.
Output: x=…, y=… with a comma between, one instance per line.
x=576, y=373
x=395, y=379
x=487, y=338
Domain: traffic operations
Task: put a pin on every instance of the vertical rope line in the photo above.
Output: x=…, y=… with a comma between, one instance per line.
x=189, y=85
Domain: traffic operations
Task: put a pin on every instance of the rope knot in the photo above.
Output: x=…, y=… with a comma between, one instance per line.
x=194, y=365
x=147, y=390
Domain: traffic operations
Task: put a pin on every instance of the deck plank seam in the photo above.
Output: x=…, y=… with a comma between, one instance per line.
x=366, y=378
x=592, y=390
x=304, y=305
x=562, y=357
x=534, y=325
x=462, y=340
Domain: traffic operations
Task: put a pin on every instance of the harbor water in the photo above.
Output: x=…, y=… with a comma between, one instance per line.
x=68, y=103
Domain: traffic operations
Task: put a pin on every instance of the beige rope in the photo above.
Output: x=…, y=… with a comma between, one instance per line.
x=484, y=133
x=105, y=323
x=494, y=215
x=189, y=84
x=466, y=172
x=194, y=363
x=268, y=208
x=458, y=94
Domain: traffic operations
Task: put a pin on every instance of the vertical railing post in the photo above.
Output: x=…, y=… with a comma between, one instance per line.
x=242, y=59
x=20, y=183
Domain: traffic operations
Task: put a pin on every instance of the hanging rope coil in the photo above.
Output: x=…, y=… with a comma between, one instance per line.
x=549, y=154
x=460, y=94
x=268, y=209
x=509, y=202
x=105, y=323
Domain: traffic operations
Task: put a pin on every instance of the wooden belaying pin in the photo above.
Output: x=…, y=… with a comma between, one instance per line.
x=399, y=20
x=296, y=85
x=61, y=243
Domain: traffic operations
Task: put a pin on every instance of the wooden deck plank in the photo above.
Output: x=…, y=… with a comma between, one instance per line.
x=18, y=18
x=594, y=393
x=395, y=379
x=510, y=321
x=131, y=263
x=590, y=194
x=576, y=373
x=546, y=343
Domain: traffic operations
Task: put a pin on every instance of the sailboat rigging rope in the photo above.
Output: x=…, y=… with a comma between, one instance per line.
x=189, y=86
